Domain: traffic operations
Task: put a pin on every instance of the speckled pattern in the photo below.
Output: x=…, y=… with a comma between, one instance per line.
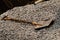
x=22, y=31
x=33, y=13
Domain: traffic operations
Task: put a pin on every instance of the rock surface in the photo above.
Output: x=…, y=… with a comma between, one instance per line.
x=11, y=30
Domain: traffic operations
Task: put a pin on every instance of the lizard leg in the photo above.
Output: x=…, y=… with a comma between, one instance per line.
x=38, y=1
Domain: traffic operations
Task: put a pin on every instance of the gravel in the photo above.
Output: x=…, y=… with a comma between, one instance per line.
x=11, y=30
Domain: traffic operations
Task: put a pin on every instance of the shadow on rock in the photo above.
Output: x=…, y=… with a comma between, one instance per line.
x=6, y=5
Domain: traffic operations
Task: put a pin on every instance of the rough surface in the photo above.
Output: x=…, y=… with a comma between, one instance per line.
x=34, y=14
x=10, y=30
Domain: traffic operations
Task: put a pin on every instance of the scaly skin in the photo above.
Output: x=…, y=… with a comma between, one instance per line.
x=37, y=25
